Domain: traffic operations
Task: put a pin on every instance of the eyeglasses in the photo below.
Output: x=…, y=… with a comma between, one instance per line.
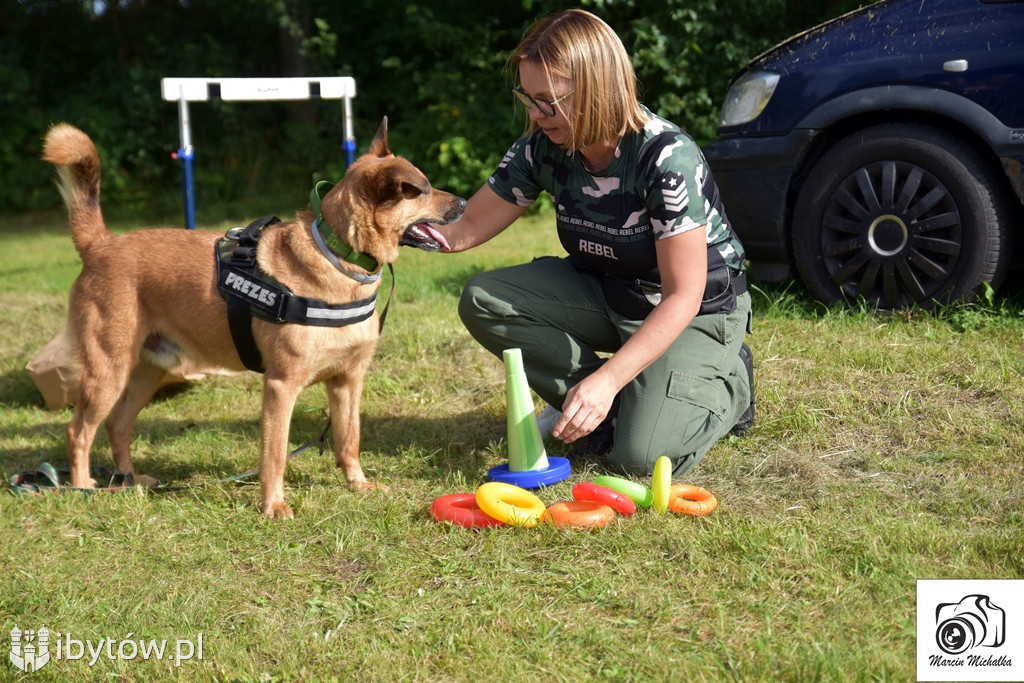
x=546, y=107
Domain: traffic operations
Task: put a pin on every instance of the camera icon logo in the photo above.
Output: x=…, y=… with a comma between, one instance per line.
x=972, y=622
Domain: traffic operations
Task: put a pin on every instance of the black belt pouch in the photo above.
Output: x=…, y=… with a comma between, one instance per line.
x=635, y=298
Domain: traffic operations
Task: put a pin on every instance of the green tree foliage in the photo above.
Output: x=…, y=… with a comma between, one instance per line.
x=436, y=68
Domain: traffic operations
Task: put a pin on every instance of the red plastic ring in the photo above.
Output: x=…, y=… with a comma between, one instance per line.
x=619, y=502
x=462, y=509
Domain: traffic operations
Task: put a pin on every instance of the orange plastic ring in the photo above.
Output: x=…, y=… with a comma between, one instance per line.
x=510, y=504
x=596, y=493
x=578, y=514
x=688, y=499
x=462, y=509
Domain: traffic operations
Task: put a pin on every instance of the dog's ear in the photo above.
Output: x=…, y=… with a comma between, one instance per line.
x=396, y=180
x=379, y=146
x=408, y=183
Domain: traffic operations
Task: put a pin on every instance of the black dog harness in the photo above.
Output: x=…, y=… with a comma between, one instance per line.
x=249, y=292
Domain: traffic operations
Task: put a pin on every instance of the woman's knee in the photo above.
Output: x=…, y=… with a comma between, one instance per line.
x=638, y=464
x=478, y=305
x=683, y=441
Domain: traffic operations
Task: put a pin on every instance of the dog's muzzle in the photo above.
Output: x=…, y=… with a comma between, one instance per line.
x=422, y=236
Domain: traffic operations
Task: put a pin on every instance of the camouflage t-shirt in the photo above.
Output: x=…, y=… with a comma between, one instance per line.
x=657, y=185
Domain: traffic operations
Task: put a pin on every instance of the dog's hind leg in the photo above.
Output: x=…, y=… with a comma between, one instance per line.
x=100, y=385
x=279, y=396
x=107, y=344
x=81, y=433
x=143, y=383
x=344, y=393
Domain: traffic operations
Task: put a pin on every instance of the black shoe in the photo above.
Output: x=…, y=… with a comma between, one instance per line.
x=746, y=420
x=598, y=442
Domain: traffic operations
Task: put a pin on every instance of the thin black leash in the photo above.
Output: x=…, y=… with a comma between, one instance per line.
x=321, y=440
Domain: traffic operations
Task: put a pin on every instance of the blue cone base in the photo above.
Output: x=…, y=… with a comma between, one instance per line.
x=558, y=469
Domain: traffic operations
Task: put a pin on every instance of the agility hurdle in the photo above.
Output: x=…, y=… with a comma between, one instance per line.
x=185, y=90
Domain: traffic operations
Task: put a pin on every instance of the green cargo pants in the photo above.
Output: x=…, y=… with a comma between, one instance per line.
x=679, y=406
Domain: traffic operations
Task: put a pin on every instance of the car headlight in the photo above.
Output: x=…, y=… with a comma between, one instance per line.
x=748, y=97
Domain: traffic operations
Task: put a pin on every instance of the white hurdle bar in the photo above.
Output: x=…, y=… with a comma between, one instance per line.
x=185, y=90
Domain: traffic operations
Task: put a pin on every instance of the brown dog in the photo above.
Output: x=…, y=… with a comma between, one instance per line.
x=145, y=298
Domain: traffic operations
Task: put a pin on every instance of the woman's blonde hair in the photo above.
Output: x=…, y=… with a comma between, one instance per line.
x=578, y=45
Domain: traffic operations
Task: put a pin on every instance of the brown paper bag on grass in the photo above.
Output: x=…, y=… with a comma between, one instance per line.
x=53, y=371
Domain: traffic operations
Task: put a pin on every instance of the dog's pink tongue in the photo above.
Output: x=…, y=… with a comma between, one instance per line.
x=427, y=228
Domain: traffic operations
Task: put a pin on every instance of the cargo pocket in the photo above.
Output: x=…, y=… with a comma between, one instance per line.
x=712, y=396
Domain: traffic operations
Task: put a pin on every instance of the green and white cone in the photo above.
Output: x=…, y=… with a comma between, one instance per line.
x=525, y=447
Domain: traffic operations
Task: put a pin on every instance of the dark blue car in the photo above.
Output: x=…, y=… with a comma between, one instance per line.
x=880, y=153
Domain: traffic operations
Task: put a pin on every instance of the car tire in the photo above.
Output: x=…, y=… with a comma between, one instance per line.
x=900, y=215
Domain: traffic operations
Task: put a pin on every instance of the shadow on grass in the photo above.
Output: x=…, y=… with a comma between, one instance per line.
x=207, y=451
x=18, y=391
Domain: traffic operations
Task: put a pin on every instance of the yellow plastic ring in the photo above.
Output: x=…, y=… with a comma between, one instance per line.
x=661, y=483
x=510, y=504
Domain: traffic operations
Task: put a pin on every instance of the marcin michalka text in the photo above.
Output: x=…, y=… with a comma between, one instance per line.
x=970, y=660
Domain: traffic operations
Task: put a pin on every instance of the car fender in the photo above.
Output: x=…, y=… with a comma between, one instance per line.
x=1006, y=142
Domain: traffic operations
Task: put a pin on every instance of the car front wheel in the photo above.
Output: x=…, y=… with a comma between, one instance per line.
x=900, y=215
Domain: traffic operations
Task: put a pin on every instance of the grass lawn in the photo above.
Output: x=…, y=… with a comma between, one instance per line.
x=886, y=449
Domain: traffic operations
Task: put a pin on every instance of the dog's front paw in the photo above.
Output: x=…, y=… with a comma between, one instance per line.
x=279, y=510
x=367, y=485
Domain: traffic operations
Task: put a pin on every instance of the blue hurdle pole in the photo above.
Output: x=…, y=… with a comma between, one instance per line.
x=348, y=145
x=186, y=153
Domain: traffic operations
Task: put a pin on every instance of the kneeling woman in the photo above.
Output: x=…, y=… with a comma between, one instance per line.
x=654, y=274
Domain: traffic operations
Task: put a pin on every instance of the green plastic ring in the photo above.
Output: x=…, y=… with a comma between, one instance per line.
x=638, y=493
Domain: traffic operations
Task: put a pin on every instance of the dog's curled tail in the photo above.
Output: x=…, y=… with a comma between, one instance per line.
x=78, y=180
